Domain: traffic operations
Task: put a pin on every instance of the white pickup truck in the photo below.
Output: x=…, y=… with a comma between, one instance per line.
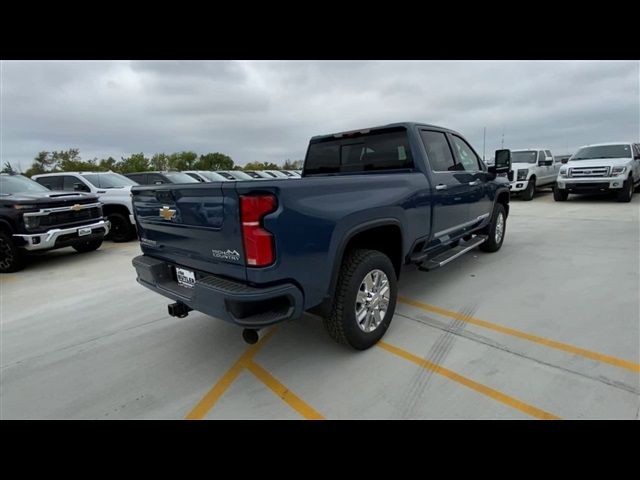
x=532, y=167
x=601, y=168
x=113, y=191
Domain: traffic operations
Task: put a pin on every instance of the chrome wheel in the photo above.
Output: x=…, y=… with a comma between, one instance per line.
x=499, y=228
x=372, y=300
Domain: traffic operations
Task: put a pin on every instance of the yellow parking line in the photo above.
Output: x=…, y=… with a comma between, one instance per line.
x=283, y=392
x=478, y=387
x=600, y=357
x=212, y=396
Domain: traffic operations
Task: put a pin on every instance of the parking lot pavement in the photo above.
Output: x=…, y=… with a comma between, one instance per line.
x=548, y=327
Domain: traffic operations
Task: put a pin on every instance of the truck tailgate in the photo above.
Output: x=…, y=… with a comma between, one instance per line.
x=196, y=226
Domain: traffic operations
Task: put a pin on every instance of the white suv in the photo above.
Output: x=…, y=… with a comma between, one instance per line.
x=601, y=168
x=113, y=190
x=533, y=167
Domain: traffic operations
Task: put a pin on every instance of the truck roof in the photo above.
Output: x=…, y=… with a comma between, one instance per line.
x=406, y=125
x=530, y=149
x=72, y=173
x=606, y=144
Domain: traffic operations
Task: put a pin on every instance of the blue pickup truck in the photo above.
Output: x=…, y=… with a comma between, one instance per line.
x=332, y=243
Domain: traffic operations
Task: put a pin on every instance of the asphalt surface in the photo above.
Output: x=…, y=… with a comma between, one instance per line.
x=548, y=327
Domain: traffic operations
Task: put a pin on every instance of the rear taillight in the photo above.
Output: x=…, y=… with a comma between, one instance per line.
x=258, y=243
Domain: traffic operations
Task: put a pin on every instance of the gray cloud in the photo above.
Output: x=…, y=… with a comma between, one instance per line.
x=267, y=110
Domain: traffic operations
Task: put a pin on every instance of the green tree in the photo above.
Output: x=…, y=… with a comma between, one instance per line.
x=183, y=160
x=292, y=165
x=108, y=164
x=71, y=161
x=8, y=168
x=214, y=161
x=41, y=164
x=160, y=161
x=135, y=163
x=261, y=166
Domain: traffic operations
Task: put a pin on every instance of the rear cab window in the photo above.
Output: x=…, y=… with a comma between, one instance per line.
x=382, y=149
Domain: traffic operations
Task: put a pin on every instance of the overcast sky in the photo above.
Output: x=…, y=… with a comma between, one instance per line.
x=268, y=110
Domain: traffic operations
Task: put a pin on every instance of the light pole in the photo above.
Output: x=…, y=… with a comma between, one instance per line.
x=484, y=141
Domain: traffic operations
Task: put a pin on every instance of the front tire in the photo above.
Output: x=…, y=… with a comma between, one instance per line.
x=121, y=228
x=627, y=190
x=11, y=257
x=560, y=195
x=530, y=191
x=88, y=246
x=365, y=299
x=496, y=230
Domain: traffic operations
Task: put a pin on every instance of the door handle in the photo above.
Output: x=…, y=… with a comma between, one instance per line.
x=441, y=187
x=475, y=182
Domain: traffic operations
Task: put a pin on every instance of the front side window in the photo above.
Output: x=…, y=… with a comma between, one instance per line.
x=379, y=150
x=467, y=158
x=438, y=151
x=69, y=184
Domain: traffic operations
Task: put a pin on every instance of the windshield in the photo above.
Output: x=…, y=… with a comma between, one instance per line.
x=10, y=184
x=226, y=175
x=213, y=176
x=179, y=177
x=108, y=180
x=602, y=151
x=253, y=174
x=238, y=175
x=528, y=156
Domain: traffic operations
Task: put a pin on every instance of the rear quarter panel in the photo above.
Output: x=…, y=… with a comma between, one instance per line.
x=315, y=215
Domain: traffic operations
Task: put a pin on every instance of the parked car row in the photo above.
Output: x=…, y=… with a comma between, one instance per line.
x=593, y=169
x=81, y=209
x=193, y=176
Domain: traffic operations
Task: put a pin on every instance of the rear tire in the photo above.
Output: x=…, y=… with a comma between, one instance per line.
x=121, y=228
x=353, y=295
x=11, y=257
x=560, y=195
x=496, y=230
x=88, y=246
x=627, y=190
x=530, y=191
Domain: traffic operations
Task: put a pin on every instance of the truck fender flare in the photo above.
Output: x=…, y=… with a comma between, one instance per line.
x=5, y=225
x=353, y=231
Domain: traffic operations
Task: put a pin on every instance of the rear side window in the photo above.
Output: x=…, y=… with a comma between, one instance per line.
x=155, y=179
x=141, y=179
x=438, y=151
x=386, y=149
x=52, y=183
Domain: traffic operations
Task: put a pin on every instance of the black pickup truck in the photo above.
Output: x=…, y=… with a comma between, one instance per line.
x=34, y=218
x=332, y=242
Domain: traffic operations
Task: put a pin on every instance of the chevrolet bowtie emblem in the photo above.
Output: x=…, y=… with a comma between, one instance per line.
x=77, y=207
x=167, y=213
